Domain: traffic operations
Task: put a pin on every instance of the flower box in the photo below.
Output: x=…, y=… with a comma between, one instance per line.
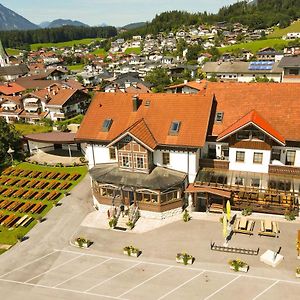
x=184, y=258
x=241, y=269
x=131, y=251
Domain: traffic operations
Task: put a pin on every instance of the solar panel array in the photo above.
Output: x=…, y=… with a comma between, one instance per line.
x=261, y=65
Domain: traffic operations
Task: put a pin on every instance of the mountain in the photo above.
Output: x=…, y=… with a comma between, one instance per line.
x=134, y=25
x=44, y=24
x=10, y=20
x=62, y=22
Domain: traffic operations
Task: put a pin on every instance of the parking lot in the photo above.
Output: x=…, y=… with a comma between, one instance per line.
x=79, y=275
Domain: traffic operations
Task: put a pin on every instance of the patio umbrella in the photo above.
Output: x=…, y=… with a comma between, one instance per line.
x=225, y=226
x=228, y=210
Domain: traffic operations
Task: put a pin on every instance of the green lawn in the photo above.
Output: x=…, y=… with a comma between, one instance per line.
x=35, y=47
x=31, y=128
x=256, y=45
x=78, y=67
x=13, y=52
x=133, y=51
x=100, y=51
x=9, y=236
x=278, y=33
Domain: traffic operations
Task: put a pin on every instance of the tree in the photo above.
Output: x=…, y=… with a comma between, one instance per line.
x=9, y=137
x=158, y=78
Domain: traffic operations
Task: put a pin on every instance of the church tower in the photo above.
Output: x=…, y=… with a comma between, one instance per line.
x=4, y=58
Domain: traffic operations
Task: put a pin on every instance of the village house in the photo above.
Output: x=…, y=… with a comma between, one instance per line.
x=291, y=68
x=206, y=149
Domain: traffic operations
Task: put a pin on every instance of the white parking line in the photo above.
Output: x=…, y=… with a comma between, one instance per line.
x=223, y=287
x=61, y=289
x=110, y=278
x=161, y=272
x=19, y=268
x=52, y=269
x=180, y=286
x=268, y=288
x=87, y=270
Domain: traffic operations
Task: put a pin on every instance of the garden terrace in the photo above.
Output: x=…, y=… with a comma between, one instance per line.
x=33, y=189
x=260, y=192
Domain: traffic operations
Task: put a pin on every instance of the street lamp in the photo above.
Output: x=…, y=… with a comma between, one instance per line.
x=10, y=152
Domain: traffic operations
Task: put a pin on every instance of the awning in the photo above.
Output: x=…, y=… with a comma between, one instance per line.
x=204, y=189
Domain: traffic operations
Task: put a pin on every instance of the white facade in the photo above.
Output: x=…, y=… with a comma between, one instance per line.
x=183, y=161
x=248, y=165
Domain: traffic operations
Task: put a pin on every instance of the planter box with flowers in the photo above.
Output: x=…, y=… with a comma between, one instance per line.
x=185, y=258
x=82, y=242
x=238, y=265
x=132, y=251
x=298, y=272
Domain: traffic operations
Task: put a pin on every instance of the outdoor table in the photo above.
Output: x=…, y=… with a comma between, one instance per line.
x=268, y=225
x=243, y=223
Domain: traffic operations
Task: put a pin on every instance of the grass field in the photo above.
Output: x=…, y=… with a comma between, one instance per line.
x=10, y=236
x=255, y=46
x=278, y=33
x=78, y=67
x=11, y=51
x=100, y=51
x=35, y=47
x=30, y=128
x=133, y=51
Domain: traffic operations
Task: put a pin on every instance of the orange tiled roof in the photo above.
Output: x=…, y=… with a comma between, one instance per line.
x=192, y=84
x=11, y=88
x=192, y=111
x=252, y=118
x=61, y=97
x=278, y=103
x=141, y=131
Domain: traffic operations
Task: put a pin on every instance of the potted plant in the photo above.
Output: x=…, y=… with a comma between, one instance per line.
x=82, y=242
x=130, y=224
x=298, y=272
x=247, y=211
x=184, y=258
x=131, y=251
x=112, y=222
x=186, y=216
x=238, y=265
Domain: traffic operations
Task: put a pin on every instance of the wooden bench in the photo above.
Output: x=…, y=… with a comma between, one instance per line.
x=53, y=185
x=248, y=229
x=8, y=171
x=52, y=196
x=74, y=177
x=64, y=185
x=216, y=208
x=21, y=220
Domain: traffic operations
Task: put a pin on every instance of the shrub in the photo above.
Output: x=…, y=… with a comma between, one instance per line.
x=290, y=216
x=186, y=216
x=236, y=264
x=112, y=222
x=131, y=249
x=82, y=241
x=247, y=211
x=298, y=270
x=130, y=224
x=185, y=257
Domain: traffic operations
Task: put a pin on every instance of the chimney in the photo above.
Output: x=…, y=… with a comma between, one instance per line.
x=135, y=102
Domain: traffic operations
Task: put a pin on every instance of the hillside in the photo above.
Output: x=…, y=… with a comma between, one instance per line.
x=10, y=20
x=63, y=22
x=134, y=25
x=294, y=27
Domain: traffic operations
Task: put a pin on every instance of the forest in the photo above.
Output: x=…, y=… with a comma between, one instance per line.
x=22, y=39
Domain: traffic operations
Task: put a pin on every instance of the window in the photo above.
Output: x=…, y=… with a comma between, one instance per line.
x=174, y=128
x=255, y=182
x=257, y=158
x=112, y=153
x=224, y=151
x=243, y=135
x=125, y=160
x=240, y=156
x=275, y=155
x=212, y=151
x=166, y=158
x=290, y=157
x=239, y=181
x=219, y=117
x=140, y=161
x=106, y=125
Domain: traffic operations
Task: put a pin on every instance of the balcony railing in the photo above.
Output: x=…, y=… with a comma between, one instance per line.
x=214, y=163
x=286, y=170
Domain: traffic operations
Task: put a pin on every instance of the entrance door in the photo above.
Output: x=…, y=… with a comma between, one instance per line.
x=131, y=198
x=200, y=205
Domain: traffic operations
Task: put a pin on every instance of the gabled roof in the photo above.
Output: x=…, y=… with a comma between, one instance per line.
x=192, y=84
x=140, y=131
x=157, y=111
x=61, y=97
x=252, y=118
x=11, y=88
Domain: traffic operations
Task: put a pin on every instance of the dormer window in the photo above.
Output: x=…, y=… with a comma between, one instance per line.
x=106, y=125
x=219, y=117
x=174, y=128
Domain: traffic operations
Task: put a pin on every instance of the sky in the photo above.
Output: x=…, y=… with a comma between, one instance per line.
x=111, y=12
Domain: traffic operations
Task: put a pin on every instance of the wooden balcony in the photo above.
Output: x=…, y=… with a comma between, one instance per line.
x=284, y=170
x=214, y=163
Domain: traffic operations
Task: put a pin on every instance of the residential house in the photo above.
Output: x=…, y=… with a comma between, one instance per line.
x=291, y=68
